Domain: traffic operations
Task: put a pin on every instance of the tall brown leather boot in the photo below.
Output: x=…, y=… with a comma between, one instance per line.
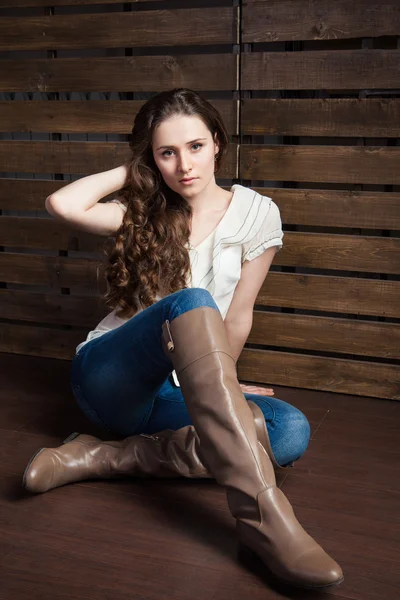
x=166, y=454
x=198, y=347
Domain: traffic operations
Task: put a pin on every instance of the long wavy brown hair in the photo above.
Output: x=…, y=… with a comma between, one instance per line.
x=149, y=255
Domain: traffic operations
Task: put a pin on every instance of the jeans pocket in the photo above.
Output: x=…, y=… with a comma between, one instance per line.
x=85, y=406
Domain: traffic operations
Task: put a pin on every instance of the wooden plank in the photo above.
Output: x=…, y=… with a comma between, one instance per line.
x=53, y=271
x=372, y=117
x=348, y=295
x=179, y=27
x=25, y=3
x=336, y=164
x=47, y=234
x=338, y=208
x=274, y=20
x=343, y=252
x=27, y=194
x=361, y=378
x=319, y=70
x=121, y=74
x=30, y=194
x=335, y=208
x=34, y=340
x=311, y=250
x=326, y=334
x=55, y=309
x=81, y=157
x=62, y=157
x=91, y=116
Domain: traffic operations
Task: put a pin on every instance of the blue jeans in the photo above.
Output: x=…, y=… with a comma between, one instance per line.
x=122, y=381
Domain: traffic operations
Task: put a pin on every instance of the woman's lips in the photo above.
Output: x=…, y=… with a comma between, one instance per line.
x=188, y=181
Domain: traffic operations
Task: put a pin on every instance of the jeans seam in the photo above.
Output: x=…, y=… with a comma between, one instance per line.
x=91, y=407
x=271, y=407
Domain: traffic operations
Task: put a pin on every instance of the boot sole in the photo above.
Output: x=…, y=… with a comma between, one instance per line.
x=251, y=554
x=71, y=437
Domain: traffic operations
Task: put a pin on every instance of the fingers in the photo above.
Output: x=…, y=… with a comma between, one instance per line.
x=253, y=389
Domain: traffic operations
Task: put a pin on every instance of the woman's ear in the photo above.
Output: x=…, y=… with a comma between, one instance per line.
x=216, y=144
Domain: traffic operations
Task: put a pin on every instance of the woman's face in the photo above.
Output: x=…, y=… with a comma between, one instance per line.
x=183, y=148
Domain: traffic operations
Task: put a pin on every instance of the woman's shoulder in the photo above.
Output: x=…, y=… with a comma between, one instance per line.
x=250, y=201
x=250, y=207
x=251, y=212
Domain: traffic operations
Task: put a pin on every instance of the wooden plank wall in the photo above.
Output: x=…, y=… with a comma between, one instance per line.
x=320, y=126
x=309, y=95
x=73, y=77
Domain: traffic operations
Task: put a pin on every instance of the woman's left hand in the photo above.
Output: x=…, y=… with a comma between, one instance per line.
x=254, y=389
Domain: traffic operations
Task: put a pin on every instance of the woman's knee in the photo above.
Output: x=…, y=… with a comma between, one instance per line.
x=297, y=434
x=190, y=298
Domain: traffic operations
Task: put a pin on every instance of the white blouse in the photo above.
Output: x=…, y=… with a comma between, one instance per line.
x=250, y=225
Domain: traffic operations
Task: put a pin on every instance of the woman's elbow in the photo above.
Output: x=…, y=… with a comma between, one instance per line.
x=51, y=206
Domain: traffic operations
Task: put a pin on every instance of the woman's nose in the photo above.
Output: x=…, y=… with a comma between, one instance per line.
x=184, y=164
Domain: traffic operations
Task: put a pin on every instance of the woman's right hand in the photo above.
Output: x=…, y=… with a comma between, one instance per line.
x=254, y=389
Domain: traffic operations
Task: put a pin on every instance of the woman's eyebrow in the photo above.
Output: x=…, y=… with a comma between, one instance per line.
x=196, y=140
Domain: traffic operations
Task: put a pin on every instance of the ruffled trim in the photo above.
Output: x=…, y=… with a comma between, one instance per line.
x=258, y=250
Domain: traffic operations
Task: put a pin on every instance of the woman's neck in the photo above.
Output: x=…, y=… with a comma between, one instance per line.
x=211, y=199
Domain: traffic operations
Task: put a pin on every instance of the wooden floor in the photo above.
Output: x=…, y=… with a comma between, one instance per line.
x=154, y=539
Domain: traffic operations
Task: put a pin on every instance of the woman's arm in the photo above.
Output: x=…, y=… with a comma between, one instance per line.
x=80, y=195
x=237, y=334
x=78, y=203
x=237, y=337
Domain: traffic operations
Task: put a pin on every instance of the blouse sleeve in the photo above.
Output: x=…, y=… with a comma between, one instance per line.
x=121, y=204
x=269, y=234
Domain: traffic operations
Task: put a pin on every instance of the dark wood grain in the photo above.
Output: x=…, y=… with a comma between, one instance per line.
x=336, y=164
x=313, y=250
x=81, y=157
x=164, y=539
x=346, y=252
x=372, y=117
x=333, y=294
x=54, y=272
x=136, y=73
x=335, y=208
x=25, y=3
x=315, y=207
x=34, y=340
x=44, y=233
x=262, y=366
x=329, y=334
x=89, y=116
x=185, y=27
x=56, y=309
x=360, y=296
x=356, y=377
x=274, y=20
x=325, y=69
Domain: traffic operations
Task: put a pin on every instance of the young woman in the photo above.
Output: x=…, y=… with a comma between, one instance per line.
x=183, y=275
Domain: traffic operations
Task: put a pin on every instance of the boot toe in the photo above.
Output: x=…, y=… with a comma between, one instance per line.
x=38, y=474
x=317, y=569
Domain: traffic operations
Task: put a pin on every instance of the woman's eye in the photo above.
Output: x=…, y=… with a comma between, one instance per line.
x=165, y=151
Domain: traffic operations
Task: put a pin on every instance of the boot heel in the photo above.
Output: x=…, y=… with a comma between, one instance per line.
x=71, y=437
